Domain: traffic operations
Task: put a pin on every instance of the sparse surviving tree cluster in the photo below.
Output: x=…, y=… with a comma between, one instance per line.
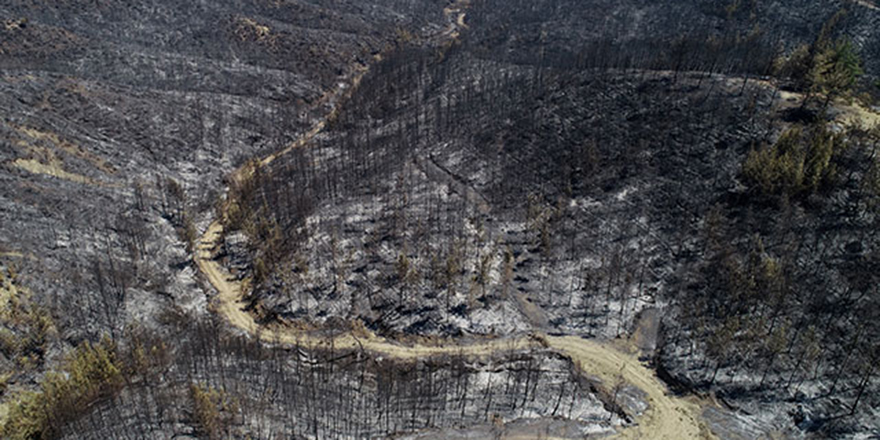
x=828, y=67
x=802, y=161
x=791, y=309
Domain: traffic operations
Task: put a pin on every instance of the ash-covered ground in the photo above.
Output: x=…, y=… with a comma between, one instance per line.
x=293, y=392
x=490, y=190
x=502, y=167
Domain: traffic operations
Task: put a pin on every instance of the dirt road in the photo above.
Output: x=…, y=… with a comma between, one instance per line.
x=667, y=417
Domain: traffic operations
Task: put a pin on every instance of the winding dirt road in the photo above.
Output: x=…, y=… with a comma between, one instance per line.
x=667, y=417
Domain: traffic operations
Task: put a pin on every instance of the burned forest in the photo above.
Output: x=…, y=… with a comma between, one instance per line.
x=439, y=219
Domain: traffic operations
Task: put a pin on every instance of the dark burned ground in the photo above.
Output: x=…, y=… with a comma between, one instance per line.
x=490, y=191
x=103, y=102
x=605, y=174
x=296, y=393
x=554, y=169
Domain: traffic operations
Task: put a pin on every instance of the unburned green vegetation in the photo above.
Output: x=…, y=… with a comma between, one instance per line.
x=828, y=67
x=802, y=161
x=90, y=373
x=247, y=210
x=211, y=409
x=25, y=326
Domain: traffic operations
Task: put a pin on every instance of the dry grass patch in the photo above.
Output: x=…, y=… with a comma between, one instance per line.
x=67, y=146
x=248, y=29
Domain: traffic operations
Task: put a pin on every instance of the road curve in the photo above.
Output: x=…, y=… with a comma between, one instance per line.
x=667, y=418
